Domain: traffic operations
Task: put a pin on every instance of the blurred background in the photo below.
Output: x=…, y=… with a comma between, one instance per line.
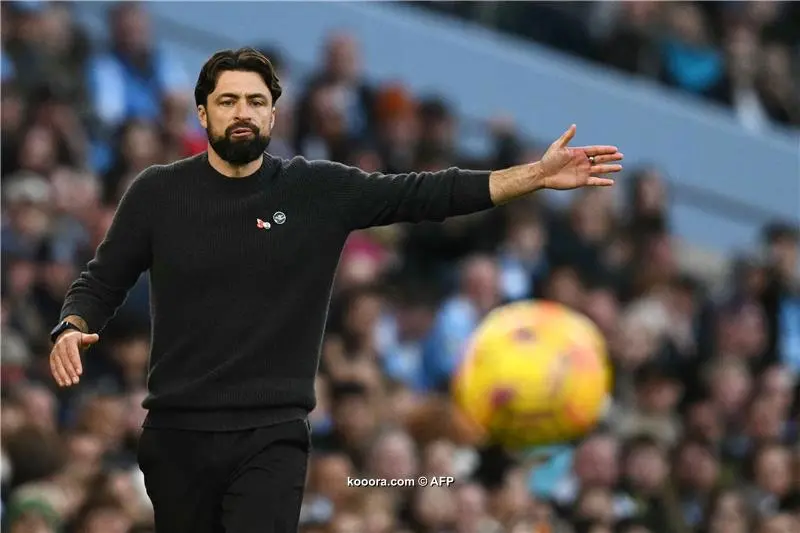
x=689, y=265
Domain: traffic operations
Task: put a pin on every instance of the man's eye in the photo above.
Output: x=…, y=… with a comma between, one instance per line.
x=258, y=103
x=226, y=103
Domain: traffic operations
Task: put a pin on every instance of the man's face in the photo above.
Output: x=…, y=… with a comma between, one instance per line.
x=647, y=469
x=773, y=471
x=238, y=117
x=697, y=468
x=597, y=462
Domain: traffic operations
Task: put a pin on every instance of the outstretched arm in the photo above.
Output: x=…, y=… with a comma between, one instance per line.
x=361, y=200
x=372, y=199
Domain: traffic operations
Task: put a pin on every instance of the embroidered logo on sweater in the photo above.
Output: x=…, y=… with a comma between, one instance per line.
x=260, y=224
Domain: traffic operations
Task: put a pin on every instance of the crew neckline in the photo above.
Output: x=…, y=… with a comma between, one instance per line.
x=254, y=180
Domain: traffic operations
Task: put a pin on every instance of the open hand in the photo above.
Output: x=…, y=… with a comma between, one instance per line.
x=65, y=357
x=571, y=168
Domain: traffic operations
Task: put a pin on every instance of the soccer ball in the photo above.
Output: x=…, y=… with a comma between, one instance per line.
x=534, y=373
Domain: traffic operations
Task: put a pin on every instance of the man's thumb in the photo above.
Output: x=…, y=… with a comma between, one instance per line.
x=566, y=137
x=90, y=338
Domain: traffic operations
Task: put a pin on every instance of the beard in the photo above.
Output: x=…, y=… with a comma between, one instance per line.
x=239, y=152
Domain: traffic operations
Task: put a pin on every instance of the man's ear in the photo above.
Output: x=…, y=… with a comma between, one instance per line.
x=272, y=120
x=202, y=116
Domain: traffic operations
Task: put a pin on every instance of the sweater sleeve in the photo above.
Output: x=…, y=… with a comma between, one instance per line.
x=365, y=200
x=123, y=255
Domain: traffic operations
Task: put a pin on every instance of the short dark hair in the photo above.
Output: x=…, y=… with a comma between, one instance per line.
x=641, y=441
x=244, y=59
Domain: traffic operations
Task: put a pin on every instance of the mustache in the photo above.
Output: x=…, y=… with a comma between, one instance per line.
x=239, y=125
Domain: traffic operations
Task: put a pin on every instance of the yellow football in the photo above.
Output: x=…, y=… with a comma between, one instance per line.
x=534, y=373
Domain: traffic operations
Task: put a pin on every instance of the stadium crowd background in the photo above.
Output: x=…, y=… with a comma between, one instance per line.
x=703, y=434
x=745, y=47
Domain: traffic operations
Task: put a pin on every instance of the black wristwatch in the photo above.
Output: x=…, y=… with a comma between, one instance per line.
x=61, y=328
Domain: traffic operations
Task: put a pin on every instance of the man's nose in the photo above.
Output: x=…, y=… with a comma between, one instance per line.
x=243, y=112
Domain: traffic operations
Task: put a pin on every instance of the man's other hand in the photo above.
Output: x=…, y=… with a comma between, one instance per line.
x=65, y=357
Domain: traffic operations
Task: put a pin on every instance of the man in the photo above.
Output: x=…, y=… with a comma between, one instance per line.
x=242, y=249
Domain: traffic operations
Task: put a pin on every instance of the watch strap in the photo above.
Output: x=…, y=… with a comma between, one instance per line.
x=61, y=328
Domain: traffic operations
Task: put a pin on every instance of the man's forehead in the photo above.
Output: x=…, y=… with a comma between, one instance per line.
x=237, y=82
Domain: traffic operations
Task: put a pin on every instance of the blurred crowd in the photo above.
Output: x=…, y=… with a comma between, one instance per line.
x=703, y=433
x=742, y=55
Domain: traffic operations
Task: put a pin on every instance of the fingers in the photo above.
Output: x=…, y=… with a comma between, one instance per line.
x=69, y=354
x=608, y=158
x=594, y=181
x=567, y=137
x=59, y=372
x=65, y=360
x=73, y=363
x=593, y=151
x=605, y=169
x=89, y=339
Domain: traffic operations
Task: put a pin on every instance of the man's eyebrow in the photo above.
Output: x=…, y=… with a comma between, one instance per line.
x=234, y=95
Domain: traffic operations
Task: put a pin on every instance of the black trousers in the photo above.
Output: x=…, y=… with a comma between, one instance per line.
x=227, y=482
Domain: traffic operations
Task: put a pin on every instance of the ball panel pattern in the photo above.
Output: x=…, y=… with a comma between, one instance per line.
x=534, y=373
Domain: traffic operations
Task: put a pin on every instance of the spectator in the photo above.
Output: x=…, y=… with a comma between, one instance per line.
x=735, y=54
x=132, y=77
x=631, y=46
x=337, y=107
x=458, y=317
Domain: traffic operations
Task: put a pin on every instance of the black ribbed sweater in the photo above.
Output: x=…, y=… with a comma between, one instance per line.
x=241, y=272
